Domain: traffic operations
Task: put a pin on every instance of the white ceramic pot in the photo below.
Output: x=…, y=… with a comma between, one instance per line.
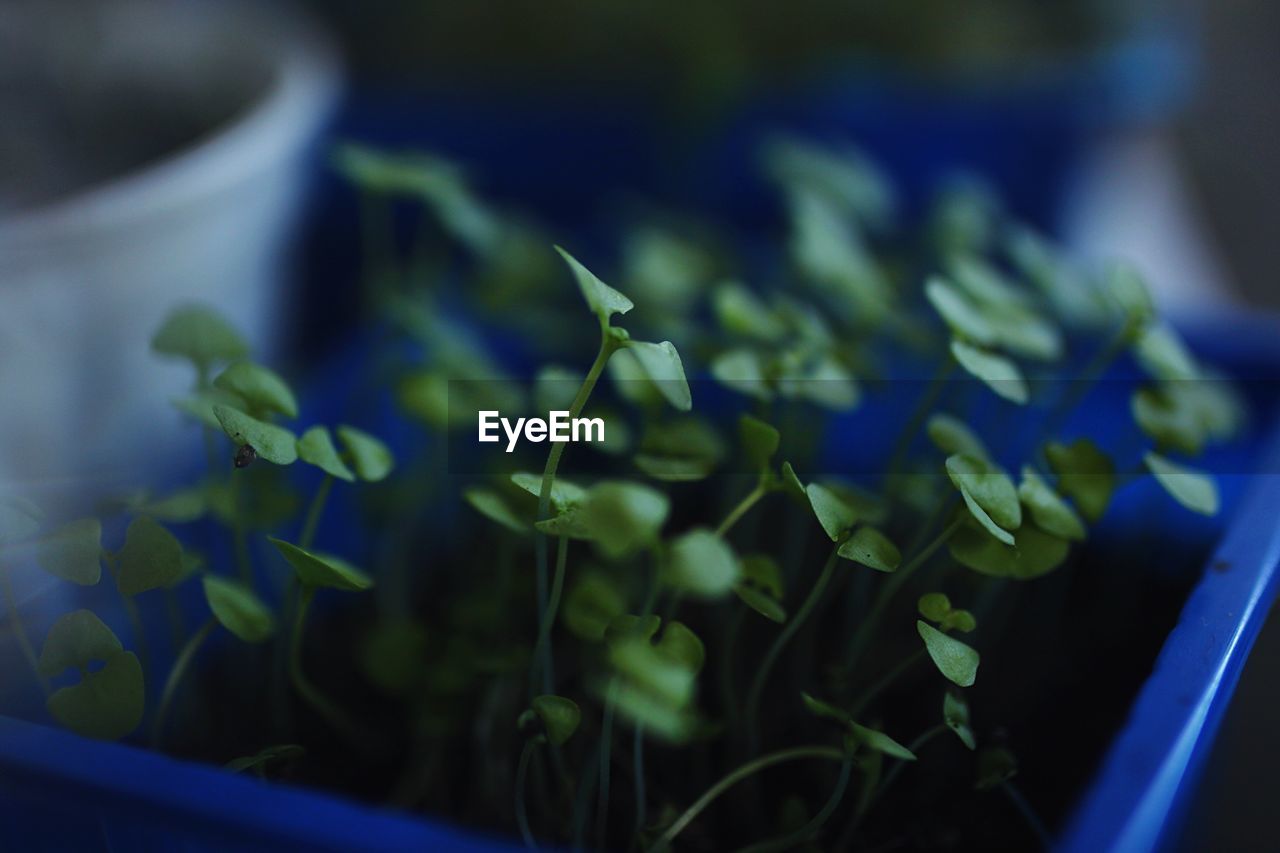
x=86, y=277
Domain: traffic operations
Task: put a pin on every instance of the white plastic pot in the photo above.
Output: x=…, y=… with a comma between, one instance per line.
x=86, y=278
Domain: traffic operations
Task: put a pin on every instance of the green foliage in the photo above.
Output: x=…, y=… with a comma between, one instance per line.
x=1036, y=552
x=953, y=436
x=955, y=713
x=835, y=515
x=682, y=450
x=591, y=605
x=602, y=299
x=1193, y=489
x=936, y=607
x=871, y=548
x=955, y=660
x=262, y=389
x=989, y=494
x=759, y=441
x=199, y=335
x=760, y=587
x=106, y=704
x=661, y=363
x=1048, y=510
x=496, y=507
x=371, y=459
x=999, y=374
x=73, y=551
x=620, y=517
x=322, y=570
x=315, y=447
x=560, y=717
x=238, y=610
x=1085, y=474
x=76, y=640
x=151, y=558
x=701, y=564
x=19, y=519
x=271, y=442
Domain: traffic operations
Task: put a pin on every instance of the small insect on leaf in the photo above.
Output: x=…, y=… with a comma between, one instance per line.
x=954, y=659
x=73, y=552
x=1194, y=489
x=245, y=454
x=238, y=610
x=560, y=717
x=273, y=443
x=322, y=570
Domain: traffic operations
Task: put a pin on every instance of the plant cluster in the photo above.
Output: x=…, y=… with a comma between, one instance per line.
x=603, y=662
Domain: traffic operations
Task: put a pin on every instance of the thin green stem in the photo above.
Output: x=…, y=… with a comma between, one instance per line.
x=807, y=832
x=775, y=651
x=637, y=766
x=608, y=345
x=139, y=635
x=700, y=805
x=741, y=509
x=846, y=835
x=1028, y=814
x=239, y=537
x=180, y=665
x=522, y=775
x=918, y=416
x=20, y=632
x=891, y=587
x=606, y=748
x=870, y=694
x=542, y=650
x=320, y=703
x=314, y=512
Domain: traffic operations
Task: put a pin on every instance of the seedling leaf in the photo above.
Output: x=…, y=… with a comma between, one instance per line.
x=272, y=443
x=199, y=335
x=1085, y=474
x=701, y=564
x=835, y=516
x=150, y=559
x=76, y=640
x=989, y=494
x=370, y=457
x=881, y=742
x=602, y=299
x=262, y=389
x=1036, y=552
x=759, y=441
x=316, y=448
x=560, y=717
x=681, y=645
x=955, y=660
x=960, y=314
x=661, y=363
x=19, y=519
x=1049, y=511
x=952, y=435
x=871, y=548
x=73, y=551
x=998, y=373
x=1193, y=489
x=494, y=507
x=955, y=712
x=322, y=570
x=591, y=605
x=564, y=494
x=238, y=610
x=107, y=704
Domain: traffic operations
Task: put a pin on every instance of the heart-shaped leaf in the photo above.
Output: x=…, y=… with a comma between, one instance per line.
x=743, y=371
x=76, y=640
x=663, y=678
x=371, y=458
x=761, y=602
x=1164, y=416
x=1036, y=552
x=560, y=717
x=238, y=610
x=957, y=661
x=759, y=441
x=602, y=299
x=150, y=559
x=958, y=311
x=564, y=494
x=107, y=704
x=989, y=494
x=955, y=713
x=682, y=646
x=1194, y=489
x=934, y=606
x=952, y=435
x=262, y=389
x=620, y=517
x=835, y=516
x=661, y=363
x=1085, y=474
x=19, y=519
x=997, y=372
x=199, y=335
x=592, y=603
x=73, y=552
x=322, y=570
x=983, y=282
x=1049, y=511
x=1026, y=334
x=316, y=448
x=871, y=548
x=701, y=564
x=272, y=443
